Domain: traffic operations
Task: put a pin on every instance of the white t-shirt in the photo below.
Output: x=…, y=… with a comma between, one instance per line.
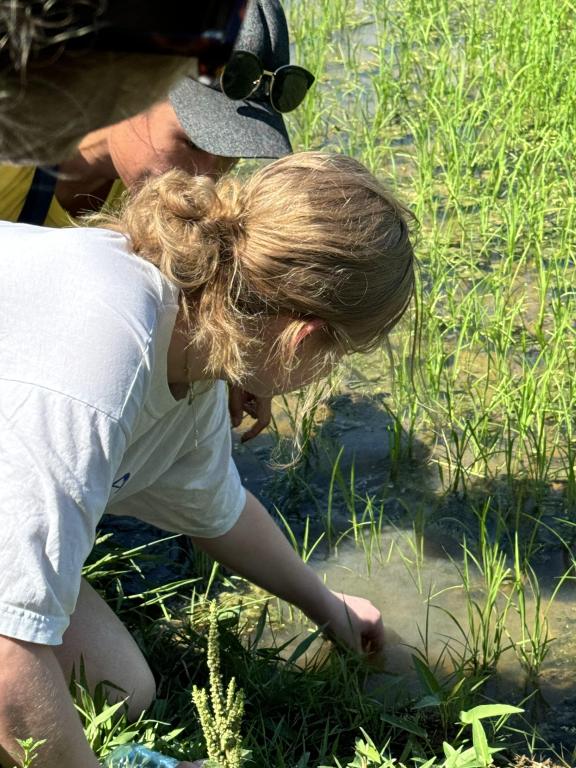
x=87, y=422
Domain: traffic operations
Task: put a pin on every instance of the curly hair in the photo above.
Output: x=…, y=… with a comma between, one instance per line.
x=311, y=235
x=40, y=29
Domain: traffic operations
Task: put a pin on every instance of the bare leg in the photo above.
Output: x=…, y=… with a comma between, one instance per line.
x=109, y=652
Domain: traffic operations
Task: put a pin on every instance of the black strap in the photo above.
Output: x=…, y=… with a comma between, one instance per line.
x=39, y=197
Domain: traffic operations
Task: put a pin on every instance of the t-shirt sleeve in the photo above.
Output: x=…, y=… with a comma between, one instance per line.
x=57, y=461
x=201, y=494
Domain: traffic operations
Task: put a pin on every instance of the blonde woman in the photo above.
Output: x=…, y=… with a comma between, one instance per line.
x=116, y=344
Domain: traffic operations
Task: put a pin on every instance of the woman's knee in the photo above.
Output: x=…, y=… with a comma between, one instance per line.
x=97, y=643
x=143, y=694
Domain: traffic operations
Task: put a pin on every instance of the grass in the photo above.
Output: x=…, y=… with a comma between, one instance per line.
x=466, y=109
x=469, y=121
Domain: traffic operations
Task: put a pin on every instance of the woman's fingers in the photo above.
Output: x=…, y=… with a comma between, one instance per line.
x=373, y=640
x=261, y=410
x=359, y=624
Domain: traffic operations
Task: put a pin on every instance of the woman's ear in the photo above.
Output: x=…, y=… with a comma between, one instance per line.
x=308, y=327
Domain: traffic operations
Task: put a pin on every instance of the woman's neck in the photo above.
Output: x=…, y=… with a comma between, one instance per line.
x=185, y=363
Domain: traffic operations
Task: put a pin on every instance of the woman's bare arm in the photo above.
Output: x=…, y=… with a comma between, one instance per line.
x=256, y=549
x=35, y=703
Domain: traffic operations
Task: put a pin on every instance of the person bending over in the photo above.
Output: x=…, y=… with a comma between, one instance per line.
x=116, y=344
x=198, y=129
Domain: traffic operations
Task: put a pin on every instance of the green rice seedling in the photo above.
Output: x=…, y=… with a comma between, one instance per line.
x=109, y=563
x=409, y=547
x=303, y=547
x=443, y=695
x=533, y=645
x=365, y=531
x=395, y=430
x=365, y=524
x=296, y=451
x=301, y=412
x=570, y=469
x=366, y=519
x=483, y=637
x=445, y=679
x=328, y=521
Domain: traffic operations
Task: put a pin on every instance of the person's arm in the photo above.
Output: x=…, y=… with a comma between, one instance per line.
x=35, y=703
x=256, y=549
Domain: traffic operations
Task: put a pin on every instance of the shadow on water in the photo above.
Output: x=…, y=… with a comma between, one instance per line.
x=356, y=455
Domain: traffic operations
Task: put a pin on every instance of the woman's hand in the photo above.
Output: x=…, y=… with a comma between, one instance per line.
x=256, y=549
x=356, y=623
x=241, y=402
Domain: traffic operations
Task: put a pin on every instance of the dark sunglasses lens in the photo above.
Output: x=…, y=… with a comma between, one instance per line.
x=290, y=86
x=241, y=75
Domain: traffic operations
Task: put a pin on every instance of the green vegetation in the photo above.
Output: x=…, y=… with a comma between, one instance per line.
x=466, y=108
x=220, y=715
x=29, y=749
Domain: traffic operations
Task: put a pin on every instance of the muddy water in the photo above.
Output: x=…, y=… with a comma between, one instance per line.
x=402, y=570
x=412, y=595
x=426, y=599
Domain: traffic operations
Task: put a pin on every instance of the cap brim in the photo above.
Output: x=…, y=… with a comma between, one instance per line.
x=229, y=128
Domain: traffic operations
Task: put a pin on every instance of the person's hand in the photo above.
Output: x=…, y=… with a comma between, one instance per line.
x=241, y=402
x=356, y=623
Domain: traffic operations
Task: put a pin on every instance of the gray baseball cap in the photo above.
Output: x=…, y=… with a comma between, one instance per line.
x=249, y=128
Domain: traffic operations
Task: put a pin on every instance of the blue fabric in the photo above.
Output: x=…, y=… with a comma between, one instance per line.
x=136, y=756
x=39, y=198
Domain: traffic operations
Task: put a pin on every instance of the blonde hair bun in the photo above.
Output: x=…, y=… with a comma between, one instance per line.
x=187, y=225
x=312, y=235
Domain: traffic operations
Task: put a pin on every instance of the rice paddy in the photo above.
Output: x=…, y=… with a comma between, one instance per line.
x=443, y=487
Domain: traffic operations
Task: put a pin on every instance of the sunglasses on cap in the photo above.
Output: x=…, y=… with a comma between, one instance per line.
x=243, y=75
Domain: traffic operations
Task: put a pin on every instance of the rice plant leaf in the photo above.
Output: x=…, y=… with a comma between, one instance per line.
x=428, y=701
x=487, y=710
x=404, y=724
x=260, y=627
x=106, y=714
x=303, y=646
x=426, y=676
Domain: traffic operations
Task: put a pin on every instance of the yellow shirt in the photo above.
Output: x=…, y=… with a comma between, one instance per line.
x=15, y=181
